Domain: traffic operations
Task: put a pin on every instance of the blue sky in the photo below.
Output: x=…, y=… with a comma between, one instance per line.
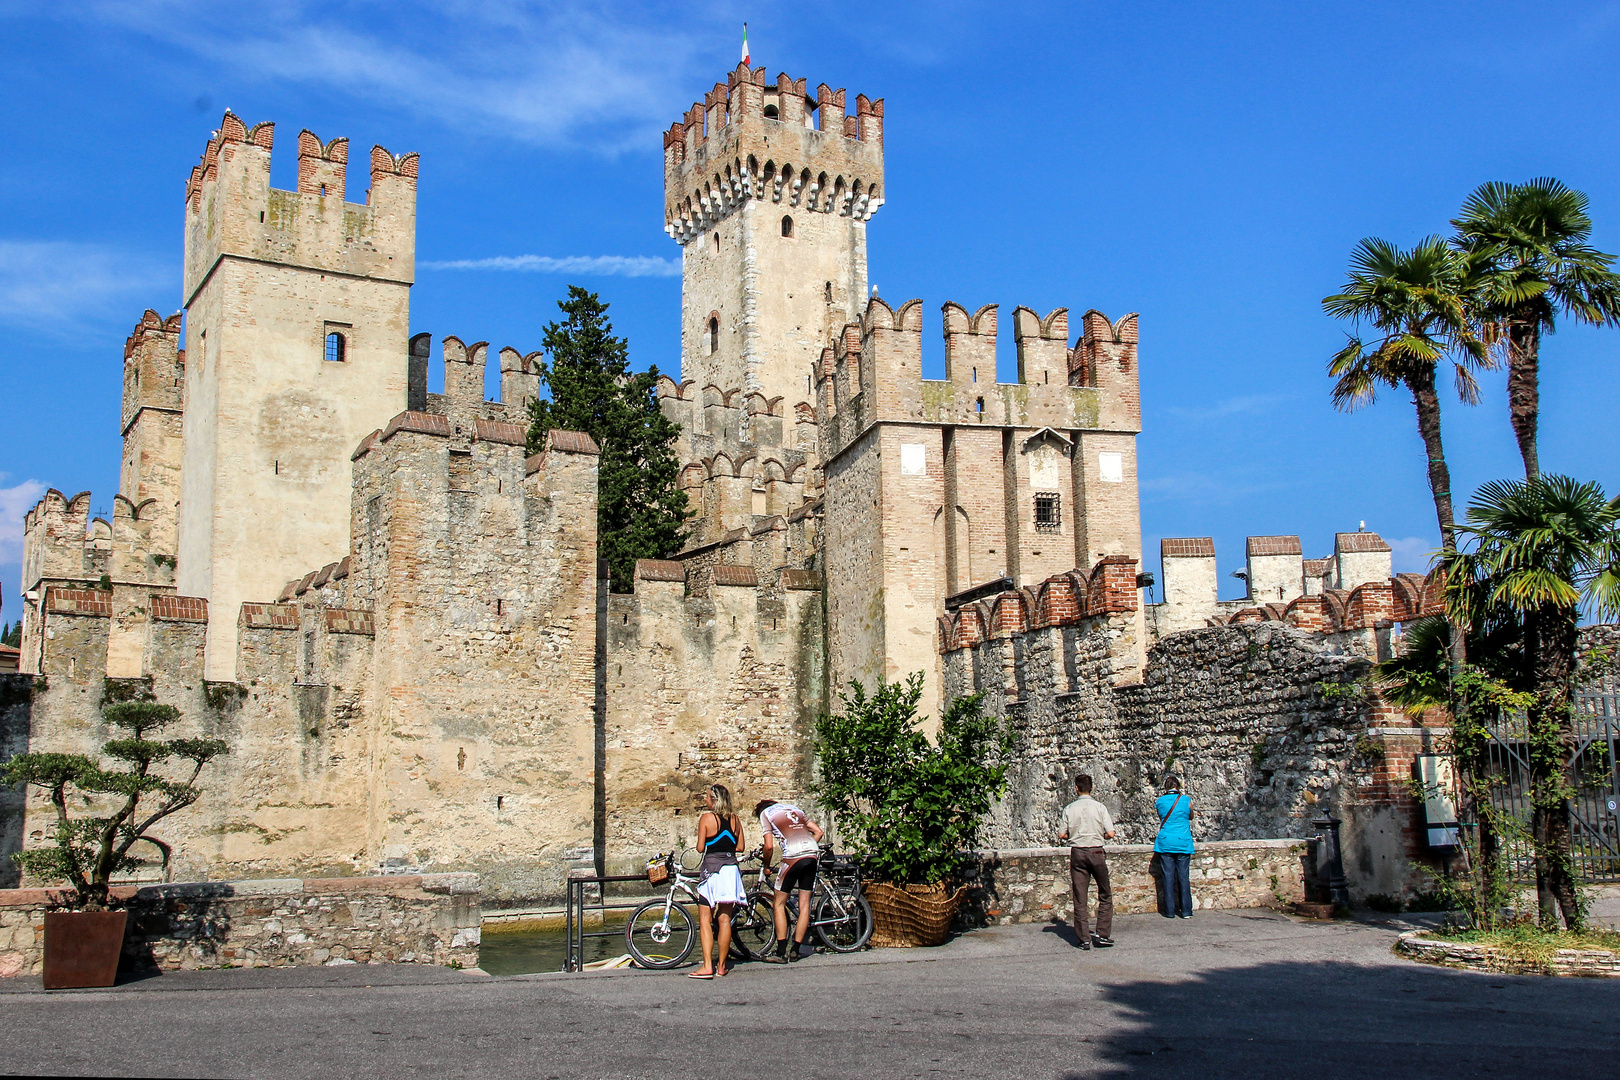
x=1207, y=165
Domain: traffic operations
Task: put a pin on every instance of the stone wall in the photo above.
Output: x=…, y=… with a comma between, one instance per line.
x=16, y=696
x=285, y=922
x=1024, y=885
x=714, y=679
x=1269, y=725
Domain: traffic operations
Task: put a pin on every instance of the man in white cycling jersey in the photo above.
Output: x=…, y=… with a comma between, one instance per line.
x=785, y=824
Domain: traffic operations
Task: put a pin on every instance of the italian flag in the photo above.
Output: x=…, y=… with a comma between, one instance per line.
x=745, y=57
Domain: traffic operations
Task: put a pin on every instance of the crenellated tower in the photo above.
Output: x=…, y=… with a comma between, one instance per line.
x=768, y=188
x=297, y=311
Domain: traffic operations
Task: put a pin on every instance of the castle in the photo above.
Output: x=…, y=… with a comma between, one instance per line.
x=397, y=619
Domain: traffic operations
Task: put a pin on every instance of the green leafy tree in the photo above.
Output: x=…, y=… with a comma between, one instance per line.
x=1539, y=550
x=1415, y=301
x=909, y=807
x=1533, y=238
x=122, y=803
x=641, y=512
x=1478, y=694
x=11, y=635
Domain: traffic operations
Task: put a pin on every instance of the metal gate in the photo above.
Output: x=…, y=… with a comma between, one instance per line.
x=1595, y=809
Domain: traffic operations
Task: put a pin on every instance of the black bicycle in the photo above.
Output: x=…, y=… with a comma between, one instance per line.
x=839, y=913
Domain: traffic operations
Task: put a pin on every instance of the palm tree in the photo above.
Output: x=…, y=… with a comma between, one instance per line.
x=1541, y=549
x=1534, y=238
x=1415, y=299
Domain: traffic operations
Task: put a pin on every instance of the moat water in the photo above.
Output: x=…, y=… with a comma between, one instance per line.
x=526, y=952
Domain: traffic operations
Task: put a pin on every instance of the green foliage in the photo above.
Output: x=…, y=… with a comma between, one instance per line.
x=117, y=806
x=910, y=807
x=1531, y=241
x=11, y=634
x=221, y=696
x=642, y=513
x=1537, y=551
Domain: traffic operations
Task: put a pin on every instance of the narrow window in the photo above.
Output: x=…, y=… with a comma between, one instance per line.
x=717, y=241
x=978, y=405
x=829, y=292
x=975, y=374
x=261, y=217
x=787, y=224
x=714, y=336
x=323, y=191
x=335, y=346
x=1047, y=512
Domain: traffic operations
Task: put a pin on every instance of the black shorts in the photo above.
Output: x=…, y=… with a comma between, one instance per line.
x=798, y=874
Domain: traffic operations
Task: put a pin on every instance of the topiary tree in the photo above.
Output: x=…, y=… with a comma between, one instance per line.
x=91, y=848
x=910, y=807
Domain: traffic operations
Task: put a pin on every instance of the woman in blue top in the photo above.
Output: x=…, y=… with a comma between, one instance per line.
x=1174, y=846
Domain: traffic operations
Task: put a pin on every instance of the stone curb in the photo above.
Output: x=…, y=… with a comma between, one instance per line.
x=1590, y=963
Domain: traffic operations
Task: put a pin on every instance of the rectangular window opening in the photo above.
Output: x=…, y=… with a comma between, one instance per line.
x=1048, y=510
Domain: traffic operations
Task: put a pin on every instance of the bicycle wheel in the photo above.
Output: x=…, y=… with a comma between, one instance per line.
x=657, y=944
x=846, y=932
x=753, y=929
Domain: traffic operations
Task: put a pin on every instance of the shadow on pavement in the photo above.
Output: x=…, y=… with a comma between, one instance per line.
x=1288, y=1019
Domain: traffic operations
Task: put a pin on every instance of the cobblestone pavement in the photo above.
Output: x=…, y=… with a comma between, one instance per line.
x=1230, y=993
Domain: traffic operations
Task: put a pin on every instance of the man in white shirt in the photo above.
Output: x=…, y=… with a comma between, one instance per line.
x=1086, y=824
x=785, y=824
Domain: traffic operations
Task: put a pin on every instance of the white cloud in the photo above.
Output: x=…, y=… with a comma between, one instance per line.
x=614, y=265
x=1411, y=555
x=58, y=287
x=15, y=501
x=601, y=74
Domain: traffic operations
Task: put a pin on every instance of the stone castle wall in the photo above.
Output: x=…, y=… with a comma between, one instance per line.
x=1269, y=725
x=713, y=678
x=285, y=922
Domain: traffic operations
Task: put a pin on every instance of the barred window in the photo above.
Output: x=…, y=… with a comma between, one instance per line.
x=1048, y=514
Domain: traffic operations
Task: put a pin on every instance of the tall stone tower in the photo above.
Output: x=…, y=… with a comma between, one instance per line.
x=297, y=315
x=768, y=188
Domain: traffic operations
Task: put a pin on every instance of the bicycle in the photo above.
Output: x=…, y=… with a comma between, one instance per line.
x=661, y=933
x=840, y=915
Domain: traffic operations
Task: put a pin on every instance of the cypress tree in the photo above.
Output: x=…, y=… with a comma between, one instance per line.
x=641, y=513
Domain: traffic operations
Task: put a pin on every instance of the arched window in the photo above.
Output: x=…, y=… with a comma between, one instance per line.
x=717, y=241
x=829, y=292
x=771, y=112
x=335, y=347
x=714, y=336
x=787, y=224
x=978, y=405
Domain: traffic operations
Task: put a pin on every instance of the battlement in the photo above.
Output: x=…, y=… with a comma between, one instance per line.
x=1060, y=600
x=231, y=209
x=746, y=140
x=872, y=372
x=154, y=367
x=1353, y=589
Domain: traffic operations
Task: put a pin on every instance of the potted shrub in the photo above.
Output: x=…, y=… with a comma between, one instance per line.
x=100, y=814
x=910, y=807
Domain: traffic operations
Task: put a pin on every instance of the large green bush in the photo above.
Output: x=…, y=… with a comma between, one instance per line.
x=908, y=806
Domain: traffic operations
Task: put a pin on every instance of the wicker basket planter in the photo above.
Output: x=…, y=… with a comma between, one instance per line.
x=906, y=916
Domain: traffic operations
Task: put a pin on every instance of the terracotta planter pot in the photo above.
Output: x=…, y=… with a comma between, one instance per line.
x=82, y=948
x=907, y=916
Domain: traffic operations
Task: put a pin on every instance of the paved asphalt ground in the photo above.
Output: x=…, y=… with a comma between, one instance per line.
x=1241, y=993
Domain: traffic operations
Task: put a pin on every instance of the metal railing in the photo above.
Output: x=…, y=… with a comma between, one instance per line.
x=1595, y=807
x=579, y=901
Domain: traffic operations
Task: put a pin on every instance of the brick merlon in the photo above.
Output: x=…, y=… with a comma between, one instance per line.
x=1187, y=547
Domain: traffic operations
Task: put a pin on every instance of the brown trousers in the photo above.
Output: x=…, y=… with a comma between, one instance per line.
x=1086, y=863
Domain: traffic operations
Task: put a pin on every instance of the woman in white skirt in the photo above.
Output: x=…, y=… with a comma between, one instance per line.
x=720, y=888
